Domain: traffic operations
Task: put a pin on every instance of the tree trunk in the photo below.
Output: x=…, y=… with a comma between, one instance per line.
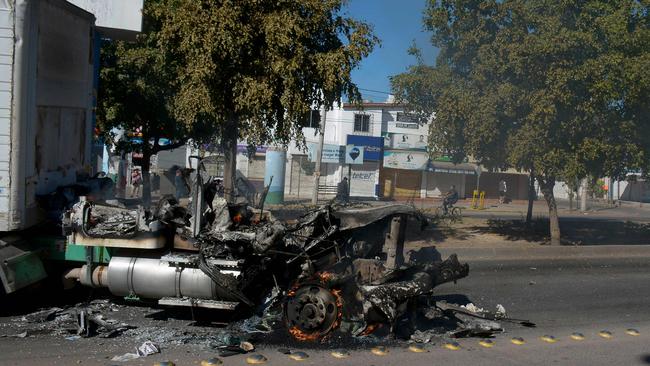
x=531, y=198
x=554, y=221
x=229, y=144
x=583, y=196
x=146, y=178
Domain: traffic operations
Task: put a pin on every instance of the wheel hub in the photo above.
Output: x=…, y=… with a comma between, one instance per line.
x=312, y=311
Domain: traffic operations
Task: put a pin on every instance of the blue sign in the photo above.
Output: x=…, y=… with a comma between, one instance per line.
x=353, y=154
x=372, y=146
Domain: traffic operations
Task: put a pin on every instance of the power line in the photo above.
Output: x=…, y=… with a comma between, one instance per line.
x=374, y=91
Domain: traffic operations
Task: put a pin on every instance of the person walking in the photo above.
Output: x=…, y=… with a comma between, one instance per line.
x=136, y=182
x=503, y=189
x=343, y=191
x=180, y=184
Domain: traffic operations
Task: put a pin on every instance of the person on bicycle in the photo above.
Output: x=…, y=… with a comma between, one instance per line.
x=451, y=197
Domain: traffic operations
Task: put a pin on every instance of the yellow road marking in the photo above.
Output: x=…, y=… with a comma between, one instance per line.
x=454, y=346
x=417, y=348
x=487, y=343
x=379, y=350
x=548, y=339
x=340, y=354
x=518, y=341
x=298, y=356
x=256, y=359
x=605, y=334
x=577, y=336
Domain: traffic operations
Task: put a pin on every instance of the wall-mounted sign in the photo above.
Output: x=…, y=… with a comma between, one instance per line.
x=412, y=126
x=406, y=141
x=353, y=154
x=331, y=153
x=372, y=146
x=243, y=149
x=410, y=160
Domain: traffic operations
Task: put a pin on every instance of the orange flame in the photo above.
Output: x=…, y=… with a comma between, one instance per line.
x=303, y=336
x=370, y=328
x=339, y=307
x=324, y=276
x=237, y=218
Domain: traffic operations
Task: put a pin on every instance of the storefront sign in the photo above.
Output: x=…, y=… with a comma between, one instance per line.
x=363, y=179
x=331, y=153
x=363, y=176
x=353, y=154
x=372, y=146
x=406, y=141
x=243, y=149
x=410, y=160
x=413, y=126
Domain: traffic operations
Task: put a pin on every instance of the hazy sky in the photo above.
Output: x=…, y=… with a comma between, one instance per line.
x=397, y=23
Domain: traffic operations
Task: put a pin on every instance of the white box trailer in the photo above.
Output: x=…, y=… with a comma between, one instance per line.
x=47, y=68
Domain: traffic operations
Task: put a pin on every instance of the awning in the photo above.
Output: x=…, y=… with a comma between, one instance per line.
x=448, y=167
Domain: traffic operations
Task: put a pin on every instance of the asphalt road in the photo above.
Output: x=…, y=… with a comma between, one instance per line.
x=566, y=294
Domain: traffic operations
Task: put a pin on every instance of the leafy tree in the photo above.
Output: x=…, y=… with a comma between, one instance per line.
x=252, y=69
x=554, y=87
x=136, y=90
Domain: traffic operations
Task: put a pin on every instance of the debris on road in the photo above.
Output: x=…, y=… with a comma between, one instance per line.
x=145, y=349
x=18, y=335
x=81, y=320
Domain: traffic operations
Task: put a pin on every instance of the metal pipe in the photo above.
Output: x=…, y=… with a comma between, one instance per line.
x=98, y=277
x=154, y=279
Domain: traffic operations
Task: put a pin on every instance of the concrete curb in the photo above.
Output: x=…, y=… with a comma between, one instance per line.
x=548, y=252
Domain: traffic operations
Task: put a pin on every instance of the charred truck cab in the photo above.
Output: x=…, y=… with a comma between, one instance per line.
x=331, y=269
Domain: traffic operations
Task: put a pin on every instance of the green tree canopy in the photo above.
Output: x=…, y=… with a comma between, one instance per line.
x=558, y=87
x=252, y=69
x=137, y=89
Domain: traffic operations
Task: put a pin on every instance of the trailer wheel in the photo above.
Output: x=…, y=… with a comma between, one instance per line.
x=312, y=312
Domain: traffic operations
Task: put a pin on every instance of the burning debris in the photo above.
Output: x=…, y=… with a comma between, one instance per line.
x=330, y=271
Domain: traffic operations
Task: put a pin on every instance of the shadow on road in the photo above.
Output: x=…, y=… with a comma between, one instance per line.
x=645, y=358
x=574, y=232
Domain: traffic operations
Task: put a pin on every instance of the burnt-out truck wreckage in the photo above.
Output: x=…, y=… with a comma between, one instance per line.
x=333, y=269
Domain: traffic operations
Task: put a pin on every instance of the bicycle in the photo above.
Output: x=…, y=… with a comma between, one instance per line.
x=453, y=213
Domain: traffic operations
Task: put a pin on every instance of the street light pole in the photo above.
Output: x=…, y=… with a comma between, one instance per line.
x=319, y=157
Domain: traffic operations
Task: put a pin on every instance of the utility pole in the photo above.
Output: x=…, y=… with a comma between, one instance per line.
x=319, y=157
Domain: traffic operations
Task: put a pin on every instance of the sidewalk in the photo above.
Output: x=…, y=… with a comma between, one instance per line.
x=548, y=252
x=513, y=210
